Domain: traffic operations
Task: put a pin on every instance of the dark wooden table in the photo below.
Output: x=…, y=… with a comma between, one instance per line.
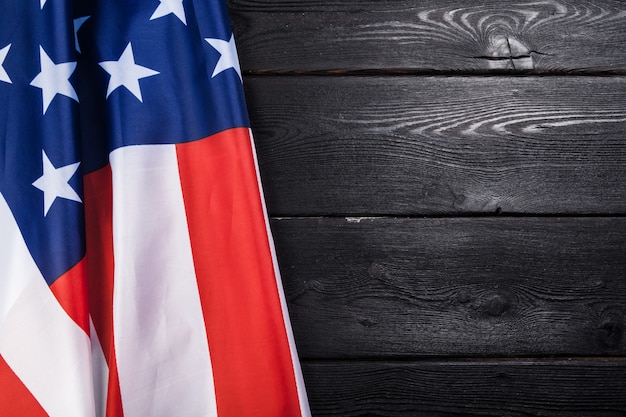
x=447, y=186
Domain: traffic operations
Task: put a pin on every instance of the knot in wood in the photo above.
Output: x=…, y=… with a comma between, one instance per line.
x=610, y=330
x=495, y=305
x=507, y=52
x=366, y=322
x=502, y=46
x=463, y=297
x=375, y=271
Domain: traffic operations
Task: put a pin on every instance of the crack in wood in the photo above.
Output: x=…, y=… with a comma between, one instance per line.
x=506, y=52
x=502, y=58
x=508, y=44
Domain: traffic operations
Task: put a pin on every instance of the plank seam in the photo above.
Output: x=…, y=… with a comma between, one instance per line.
x=395, y=72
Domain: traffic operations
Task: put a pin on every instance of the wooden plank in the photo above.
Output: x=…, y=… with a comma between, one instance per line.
x=431, y=35
x=469, y=287
x=567, y=388
x=440, y=145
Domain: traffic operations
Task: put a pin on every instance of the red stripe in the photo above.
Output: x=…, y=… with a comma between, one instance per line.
x=100, y=272
x=114, y=395
x=15, y=399
x=70, y=291
x=249, y=349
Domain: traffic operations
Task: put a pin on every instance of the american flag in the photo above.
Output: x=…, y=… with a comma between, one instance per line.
x=137, y=269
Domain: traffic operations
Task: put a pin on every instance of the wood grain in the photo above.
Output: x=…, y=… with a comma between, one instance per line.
x=440, y=145
x=555, y=388
x=480, y=287
x=441, y=35
x=397, y=315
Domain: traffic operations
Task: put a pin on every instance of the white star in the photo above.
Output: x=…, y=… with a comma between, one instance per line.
x=77, y=24
x=124, y=72
x=54, y=183
x=42, y=3
x=3, y=74
x=228, y=58
x=166, y=7
x=54, y=79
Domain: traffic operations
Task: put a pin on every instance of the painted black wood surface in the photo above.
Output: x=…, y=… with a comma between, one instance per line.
x=408, y=145
x=463, y=287
x=446, y=181
x=495, y=388
x=431, y=35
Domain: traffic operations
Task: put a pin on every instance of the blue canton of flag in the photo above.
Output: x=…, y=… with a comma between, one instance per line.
x=141, y=77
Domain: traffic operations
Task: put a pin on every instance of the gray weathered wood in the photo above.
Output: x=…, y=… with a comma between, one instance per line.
x=432, y=35
x=440, y=145
x=383, y=308
x=381, y=287
x=553, y=388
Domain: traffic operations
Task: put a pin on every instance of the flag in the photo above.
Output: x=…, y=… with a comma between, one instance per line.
x=137, y=269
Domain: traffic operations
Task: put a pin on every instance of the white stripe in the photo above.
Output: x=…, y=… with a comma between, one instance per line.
x=160, y=338
x=46, y=349
x=302, y=395
x=100, y=373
